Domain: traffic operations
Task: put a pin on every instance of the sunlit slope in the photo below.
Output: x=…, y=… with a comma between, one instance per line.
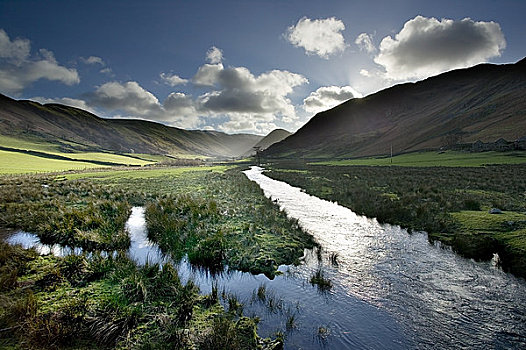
x=78, y=130
x=20, y=163
x=485, y=102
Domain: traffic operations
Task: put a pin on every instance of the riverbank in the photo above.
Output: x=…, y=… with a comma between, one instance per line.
x=451, y=204
x=214, y=215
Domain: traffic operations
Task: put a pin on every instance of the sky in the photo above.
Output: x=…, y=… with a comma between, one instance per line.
x=244, y=66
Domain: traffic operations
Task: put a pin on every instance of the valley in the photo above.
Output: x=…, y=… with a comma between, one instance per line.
x=334, y=243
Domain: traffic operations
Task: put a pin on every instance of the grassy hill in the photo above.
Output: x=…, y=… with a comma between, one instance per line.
x=69, y=130
x=274, y=136
x=485, y=102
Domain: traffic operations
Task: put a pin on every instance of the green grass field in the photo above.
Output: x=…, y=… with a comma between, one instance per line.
x=54, y=149
x=20, y=163
x=432, y=159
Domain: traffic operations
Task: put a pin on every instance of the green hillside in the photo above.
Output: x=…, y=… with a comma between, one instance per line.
x=75, y=130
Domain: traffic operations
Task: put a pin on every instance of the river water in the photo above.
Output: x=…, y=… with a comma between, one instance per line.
x=438, y=299
x=391, y=289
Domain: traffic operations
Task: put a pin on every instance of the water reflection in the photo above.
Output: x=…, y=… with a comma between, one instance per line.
x=441, y=298
x=141, y=249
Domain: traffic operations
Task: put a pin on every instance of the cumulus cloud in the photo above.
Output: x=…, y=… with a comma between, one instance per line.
x=93, y=60
x=16, y=51
x=214, y=55
x=207, y=74
x=133, y=101
x=365, y=43
x=172, y=79
x=234, y=100
x=248, y=123
x=428, y=46
x=320, y=37
x=129, y=97
x=18, y=69
x=327, y=97
x=239, y=91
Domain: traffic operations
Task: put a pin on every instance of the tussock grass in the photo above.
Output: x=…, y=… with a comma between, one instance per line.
x=434, y=199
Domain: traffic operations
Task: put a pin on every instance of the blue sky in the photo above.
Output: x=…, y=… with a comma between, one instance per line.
x=241, y=66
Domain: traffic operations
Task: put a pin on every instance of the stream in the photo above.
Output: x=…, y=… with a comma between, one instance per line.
x=390, y=289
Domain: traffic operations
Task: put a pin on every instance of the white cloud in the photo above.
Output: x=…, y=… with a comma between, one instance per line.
x=235, y=101
x=172, y=79
x=129, y=97
x=247, y=123
x=18, y=69
x=239, y=91
x=365, y=73
x=136, y=102
x=93, y=60
x=207, y=74
x=108, y=71
x=214, y=55
x=321, y=37
x=17, y=51
x=327, y=97
x=428, y=46
x=365, y=43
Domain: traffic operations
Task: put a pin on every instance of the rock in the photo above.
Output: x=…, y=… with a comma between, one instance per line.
x=495, y=211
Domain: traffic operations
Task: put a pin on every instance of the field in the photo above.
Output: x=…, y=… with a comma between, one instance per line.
x=20, y=163
x=31, y=155
x=213, y=215
x=451, y=203
x=434, y=159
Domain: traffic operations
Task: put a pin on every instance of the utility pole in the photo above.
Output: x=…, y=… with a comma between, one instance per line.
x=391, y=153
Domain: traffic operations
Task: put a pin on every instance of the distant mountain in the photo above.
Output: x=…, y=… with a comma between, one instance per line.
x=76, y=129
x=485, y=102
x=274, y=136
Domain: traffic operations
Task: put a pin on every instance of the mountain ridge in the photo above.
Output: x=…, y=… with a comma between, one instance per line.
x=483, y=102
x=83, y=130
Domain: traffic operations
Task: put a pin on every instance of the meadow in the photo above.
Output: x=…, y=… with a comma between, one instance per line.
x=434, y=159
x=31, y=155
x=213, y=215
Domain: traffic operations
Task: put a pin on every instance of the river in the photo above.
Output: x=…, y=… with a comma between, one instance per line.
x=438, y=298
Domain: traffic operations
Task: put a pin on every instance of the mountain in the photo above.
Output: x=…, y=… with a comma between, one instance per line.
x=485, y=102
x=77, y=129
x=274, y=136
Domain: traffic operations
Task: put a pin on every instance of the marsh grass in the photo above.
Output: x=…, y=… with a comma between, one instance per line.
x=426, y=199
x=66, y=213
x=319, y=279
x=102, y=300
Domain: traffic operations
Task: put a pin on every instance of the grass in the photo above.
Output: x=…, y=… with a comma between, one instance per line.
x=450, y=203
x=20, y=163
x=215, y=215
x=119, y=305
x=319, y=279
x=120, y=176
x=107, y=157
x=50, y=149
x=435, y=159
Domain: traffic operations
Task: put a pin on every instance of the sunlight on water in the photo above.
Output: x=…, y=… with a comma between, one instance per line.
x=445, y=300
x=141, y=249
